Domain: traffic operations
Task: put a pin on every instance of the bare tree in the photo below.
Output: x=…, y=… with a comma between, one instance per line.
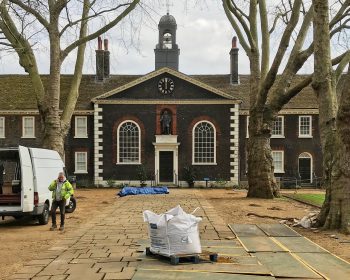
x=334, y=122
x=67, y=24
x=268, y=92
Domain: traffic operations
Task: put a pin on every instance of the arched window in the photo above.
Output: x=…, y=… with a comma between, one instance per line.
x=204, y=143
x=129, y=140
x=167, y=40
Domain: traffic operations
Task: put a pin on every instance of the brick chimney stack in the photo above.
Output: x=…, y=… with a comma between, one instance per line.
x=234, y=77
x=102, y=60
x=106, y=59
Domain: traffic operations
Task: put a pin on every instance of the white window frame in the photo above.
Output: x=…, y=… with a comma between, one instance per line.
x=139, y=144
x=310, y=127
x=76, y=134
x=278, y=170
x=23, y=130
x=2, y=123
x=193, y=149
x=282, y=129
x=247, y=127
x=82, y=171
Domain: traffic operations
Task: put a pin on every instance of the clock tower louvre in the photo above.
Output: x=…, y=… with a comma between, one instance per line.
x=167, y=51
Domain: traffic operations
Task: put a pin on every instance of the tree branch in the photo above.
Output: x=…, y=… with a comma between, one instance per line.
x=96, y=14
x=32, y=11
x=235, y=26
x=23, y=49
x=342, y=64
x=265, y=39
x=99, y=32
x=75, y=84
x=271, y=75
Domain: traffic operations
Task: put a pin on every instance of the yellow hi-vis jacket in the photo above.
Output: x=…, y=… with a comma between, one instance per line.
x=66, y=191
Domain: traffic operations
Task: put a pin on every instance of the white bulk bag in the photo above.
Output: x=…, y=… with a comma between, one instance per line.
x=174, y=232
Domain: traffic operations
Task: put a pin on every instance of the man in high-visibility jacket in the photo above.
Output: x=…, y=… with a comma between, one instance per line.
x=61, y=191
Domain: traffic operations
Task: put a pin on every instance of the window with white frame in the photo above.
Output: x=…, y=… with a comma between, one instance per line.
x=204, y=143
x=28, y=127
x=278, y=161
x=305, y=126
x=2, y=127
x=247, y=127
x=278, y=128
x=80, y=162
x=129, y=141
x=81, y=127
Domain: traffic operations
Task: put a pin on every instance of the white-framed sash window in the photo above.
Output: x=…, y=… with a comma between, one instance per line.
x=28, y=127
x=129, y=143
x=204, y=143
x=278, y=161
x=80, y=127
x=80, y=162
x=278, y=128
x=305, y=126
x=2, y=127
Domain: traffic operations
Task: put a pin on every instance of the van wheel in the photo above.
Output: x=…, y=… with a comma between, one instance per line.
x=44, y=216
x=71, y=206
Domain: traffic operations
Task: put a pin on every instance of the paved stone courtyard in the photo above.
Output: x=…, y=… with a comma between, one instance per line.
x=106, y=247
x=110, y=245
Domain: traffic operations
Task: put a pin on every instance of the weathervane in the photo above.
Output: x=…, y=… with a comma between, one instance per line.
x=168, y=6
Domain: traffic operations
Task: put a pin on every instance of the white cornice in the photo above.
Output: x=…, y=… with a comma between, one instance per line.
x=288, y=112
x=153, y=101
x=159, y=72
x=36, y=112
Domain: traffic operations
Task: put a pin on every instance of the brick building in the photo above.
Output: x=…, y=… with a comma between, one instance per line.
x=165, y=120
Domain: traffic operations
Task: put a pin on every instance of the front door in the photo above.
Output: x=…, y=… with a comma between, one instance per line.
x=305, y=170
x=166, y=166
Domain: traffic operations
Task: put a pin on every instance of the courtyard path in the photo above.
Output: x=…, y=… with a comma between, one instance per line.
x=110, y=245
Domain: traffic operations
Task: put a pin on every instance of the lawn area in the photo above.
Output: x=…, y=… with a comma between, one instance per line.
x=313, y=198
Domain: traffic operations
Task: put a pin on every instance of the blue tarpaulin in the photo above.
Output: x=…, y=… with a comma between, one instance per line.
x=143, y=190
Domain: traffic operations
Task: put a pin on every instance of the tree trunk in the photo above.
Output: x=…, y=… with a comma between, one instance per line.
x=53, y=136
x=334, y=130
x=261, y=179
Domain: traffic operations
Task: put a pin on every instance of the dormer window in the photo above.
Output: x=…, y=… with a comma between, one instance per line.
x=167, y=41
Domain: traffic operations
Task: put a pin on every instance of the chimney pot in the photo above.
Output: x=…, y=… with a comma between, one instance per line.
x=99, y=40
x=105, y=41
x=234, y=77
x=234, y=42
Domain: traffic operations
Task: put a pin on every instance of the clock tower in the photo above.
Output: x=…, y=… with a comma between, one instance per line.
x=166, y=51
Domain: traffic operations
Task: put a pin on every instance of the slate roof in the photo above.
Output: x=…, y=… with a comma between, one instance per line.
x=16, y=91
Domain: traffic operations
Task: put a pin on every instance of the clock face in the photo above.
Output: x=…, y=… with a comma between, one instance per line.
x=166, y=85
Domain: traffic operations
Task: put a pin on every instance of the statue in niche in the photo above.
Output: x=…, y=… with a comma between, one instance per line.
x=165, y=121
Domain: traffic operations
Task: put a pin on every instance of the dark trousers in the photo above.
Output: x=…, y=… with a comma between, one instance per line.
x=58, y=204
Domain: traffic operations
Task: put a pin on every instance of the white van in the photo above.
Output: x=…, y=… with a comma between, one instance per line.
x=27, y=173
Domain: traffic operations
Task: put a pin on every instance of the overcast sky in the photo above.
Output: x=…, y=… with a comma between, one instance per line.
x=203, y=36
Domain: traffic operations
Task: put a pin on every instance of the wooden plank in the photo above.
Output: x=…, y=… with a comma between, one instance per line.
x=241, y=230
x=220, y=243
x=283, y=264
x=327, y=264
x=278, y=230
x=158, y=274
x=300, y=245
x=260, y=244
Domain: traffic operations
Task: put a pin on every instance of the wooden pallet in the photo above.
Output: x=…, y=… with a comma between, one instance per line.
x=193, y=258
